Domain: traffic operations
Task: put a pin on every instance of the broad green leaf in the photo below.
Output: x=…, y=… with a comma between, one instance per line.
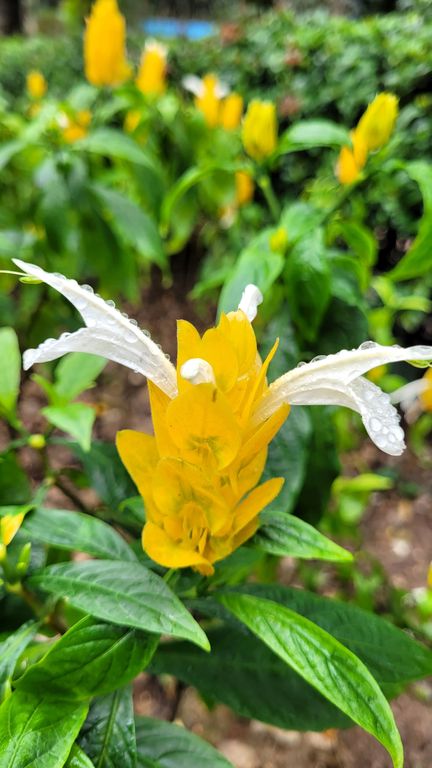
x=76, y=419
x=122, y=593
x=307, y=281
x=78, y=759
x=11, y=649
x=321, y=468
x=299, y=219
x=257, y=264
x=323, y=662
x=14, y=484
x=106, y=473
x=307, y=134
x=282, y=534
x=191, y=177
x=108, y=734
x=360, y=239
x=362, y=632
x=70, y=530
x=165, y=745
x=8, y=150
x=287, y=458
x=255, y=683
x=90, y=659
x=133, y=225
x=111, y=143
x=10, y=371
x=418, y=259
x=75, y=373
x=38, y=730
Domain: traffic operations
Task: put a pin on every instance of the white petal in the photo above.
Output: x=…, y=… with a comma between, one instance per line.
x=198, y=371
x=108, y=333
x=193, y=84
x=221, y=90
x=250, y=300
x=407, y=394
x=337, y=380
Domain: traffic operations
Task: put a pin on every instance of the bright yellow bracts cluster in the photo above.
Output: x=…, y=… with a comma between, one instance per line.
x=199, y=474
x=36, y=84
x=105, y=60
x=372, y=132
x=216, y=109
x=260, y=129
x=9, y=526
x=151, y=78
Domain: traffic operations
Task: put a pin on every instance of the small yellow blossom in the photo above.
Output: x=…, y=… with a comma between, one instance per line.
x=151, y=78
x=231, y=111
x=105, y=60
x=132, y=120
x=9, y=526
x=199, y=474
x=426, y=395
x=377, y=123
x=36, y=84
x=260, y=129
x=377, y=373
x=209, y=100
x=76, y=127
x=245, y=188
x=352, y=161
x=279, y=240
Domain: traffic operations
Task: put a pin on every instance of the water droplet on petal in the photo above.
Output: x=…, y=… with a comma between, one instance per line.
x=87, y=288
x=110, y=303
x=368, y=345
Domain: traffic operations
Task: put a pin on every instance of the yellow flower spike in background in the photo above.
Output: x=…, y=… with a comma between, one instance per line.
x=132, y=120
x=260, y=129
x=279, y=240
x=244, y=188
x=9, y=526
x=105, y=60
x=36, y=84
x=214, y=416
x=209, y=92
x=377, y=123
x=151, y=78
x=231, y=111
x=76, y=127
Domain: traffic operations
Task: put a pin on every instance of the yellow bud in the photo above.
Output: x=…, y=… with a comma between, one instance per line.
x=9, y=525
x=347, y=170
x=245, y=187
x=132, y=120
x=231, y=112
x=151, y=78
x=260, y=129
x=426, y=396
x=105, y=45
x=377, y=373
x=208, y=102
x=36, y=441
x=377, y=123
x=36, y=84
x=279, y=240
x=429, y=577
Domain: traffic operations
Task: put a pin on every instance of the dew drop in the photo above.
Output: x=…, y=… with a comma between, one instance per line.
x=368, y=345
x=375, y=424
x=133, y=322
x=318, y=358
x=110, y=303
x=87, y=288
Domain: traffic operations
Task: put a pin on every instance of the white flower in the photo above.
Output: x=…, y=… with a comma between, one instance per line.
x=332, y=380
x=198, y=85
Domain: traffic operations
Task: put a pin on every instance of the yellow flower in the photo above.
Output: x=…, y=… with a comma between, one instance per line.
x=76, y=127
x=9, y=525
x=151, y=78
x=351, y=161
x=426, y=395
x=199, y=474
x=36, y=84
x=105, y=45
x=208, y=102
x=132, y=120
x=377, y=123
x=245, y=187
x=231, y=111
x=279, y=240
x=260, y=129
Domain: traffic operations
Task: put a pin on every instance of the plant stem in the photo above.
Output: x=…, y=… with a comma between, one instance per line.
x=265, y=184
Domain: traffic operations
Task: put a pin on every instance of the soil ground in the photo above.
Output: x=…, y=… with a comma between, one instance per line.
x=396, y=531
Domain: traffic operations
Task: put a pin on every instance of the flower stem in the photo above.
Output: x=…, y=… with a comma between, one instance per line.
x=265, y=184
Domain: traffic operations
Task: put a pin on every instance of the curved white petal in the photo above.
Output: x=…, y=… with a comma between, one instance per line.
x=337, y=380
x=193, y=84
x=407, y=394
x=108, y=334
x=250, y=300
x=221, y=90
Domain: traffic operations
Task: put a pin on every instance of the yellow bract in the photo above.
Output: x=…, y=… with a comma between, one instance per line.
x=426, y=396
x=208, y=102
x=36, y=84
x=105, y=45
x=245, y=187
x=199, y=474
x=9, y=525
x=372, y=132
x=260, y=129
x=151, y=78
x=231, y=111
x=76, y=127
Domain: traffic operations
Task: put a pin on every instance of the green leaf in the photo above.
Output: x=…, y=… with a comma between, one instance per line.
x=75, y=373
x=287, y=458
x=322, y=466
x=70, y=530
x=122, y=593
x=255, y=683
x=307, y=134
x=165, y=745
x=90, y=659
x=362, y=632
x=286, y=535
x=10, y=371
x=111, y=143
x=74, y=418
x=257, y=264
x=133, y=225
x=321, y=660
x=108, y=734
x=38, y=730
x=11, y=649
x=299, y=219
x=106, y=473
x=418, y=259
x=78, y=759
x=8, y=150
x=307, y=280
x=14, y=484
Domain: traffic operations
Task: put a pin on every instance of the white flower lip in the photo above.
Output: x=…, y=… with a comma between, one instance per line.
x=336, y=379
x=195, y=85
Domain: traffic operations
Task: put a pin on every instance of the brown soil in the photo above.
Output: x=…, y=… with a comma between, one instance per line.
x=394, y=530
